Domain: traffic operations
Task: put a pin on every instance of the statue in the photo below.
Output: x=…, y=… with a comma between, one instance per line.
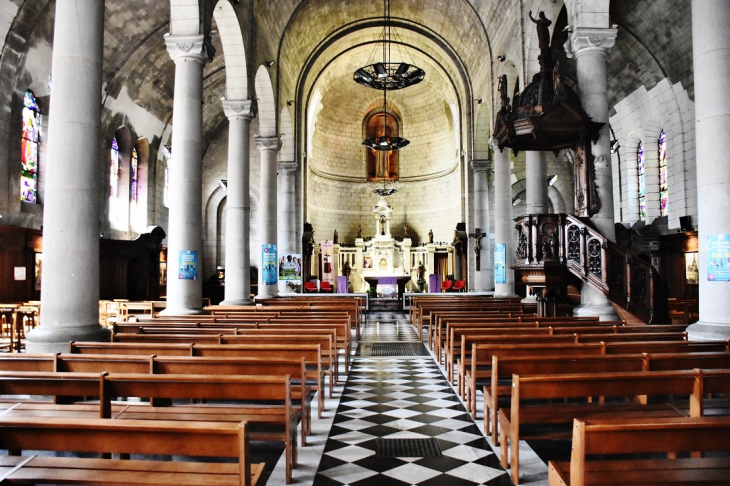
x=543, y=38
x=346, y=269
x=557, y=81
x=503, y=93
x=382, y=225
x=310, y=245
x=405, y=230
x=335, y=237
x=430, y=236
x=359, y=231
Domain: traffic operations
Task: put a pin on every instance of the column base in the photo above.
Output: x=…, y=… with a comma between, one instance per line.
x=182, y=311
x=49, y=339
x=242, y=302
x=605, y=312
x=268, y=291
x=708, y=331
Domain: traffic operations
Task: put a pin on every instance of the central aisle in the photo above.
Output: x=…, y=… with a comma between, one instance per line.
x=399, y=422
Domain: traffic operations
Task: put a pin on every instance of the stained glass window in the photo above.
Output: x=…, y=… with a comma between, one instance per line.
x=663, y=183
x=29, y=148
x=642, y=181
x=133, y=173
x=114, y=169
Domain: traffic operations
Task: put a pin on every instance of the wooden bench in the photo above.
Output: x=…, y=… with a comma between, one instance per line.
x=148, y=437
x=606, y=437
x=503, y=367
x=260, y=400
x=586, y=386
x=311, y=353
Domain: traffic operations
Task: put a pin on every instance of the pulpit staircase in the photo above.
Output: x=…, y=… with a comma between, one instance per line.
x=555, y=249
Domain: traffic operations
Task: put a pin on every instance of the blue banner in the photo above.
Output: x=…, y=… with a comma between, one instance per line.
x=718, y=258
x=188, y=269
x=500, y=257
x=269, y=265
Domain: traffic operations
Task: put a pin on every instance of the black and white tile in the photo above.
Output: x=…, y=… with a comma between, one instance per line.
x=404, y=398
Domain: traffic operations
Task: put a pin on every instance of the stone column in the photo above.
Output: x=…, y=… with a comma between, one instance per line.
x=590, y=47
x=286, y=214
x=70, y=286
x=504, y=230
x=483, y=278
x=269, y=147
x=536, y=197
x=711, y=49
x=185, y=226
x=238, y=212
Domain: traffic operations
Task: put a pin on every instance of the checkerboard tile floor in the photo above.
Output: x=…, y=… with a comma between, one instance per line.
x=404, y=398
x=387, y=326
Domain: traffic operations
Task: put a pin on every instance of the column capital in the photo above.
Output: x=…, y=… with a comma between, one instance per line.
x=189, y=47
x=480, y=165
x=268, y=143
x=585, y=40
x=288, y=166
x=237, y=109
x=494, y=144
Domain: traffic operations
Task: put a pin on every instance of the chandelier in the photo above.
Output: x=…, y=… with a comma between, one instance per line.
x=387, y=75
x=389, y=188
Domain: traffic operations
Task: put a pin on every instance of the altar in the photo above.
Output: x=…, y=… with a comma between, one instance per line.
x=400, y=283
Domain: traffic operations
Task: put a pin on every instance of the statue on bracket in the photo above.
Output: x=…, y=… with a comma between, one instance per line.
x=405, y=230
x=335, y=238
x=359, y=231
x=430, y=236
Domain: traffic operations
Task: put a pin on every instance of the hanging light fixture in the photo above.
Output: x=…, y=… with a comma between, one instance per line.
x=387, y=75
x=384, y=142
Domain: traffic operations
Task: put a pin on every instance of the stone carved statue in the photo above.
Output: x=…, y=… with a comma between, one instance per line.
x=335, y=238
x=405, y=230
x=346, y=269
x=359, y=231
x=430, y=236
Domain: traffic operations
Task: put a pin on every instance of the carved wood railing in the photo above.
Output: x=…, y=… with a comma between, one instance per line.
x=547, y=243
x=629, y=282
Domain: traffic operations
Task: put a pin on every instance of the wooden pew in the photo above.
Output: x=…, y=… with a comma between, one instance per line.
x=260, y=400
x=605, y=437
x=665, y=347
x=310, y=352
x=582, y=386
x=503, y=367
x=149, y=437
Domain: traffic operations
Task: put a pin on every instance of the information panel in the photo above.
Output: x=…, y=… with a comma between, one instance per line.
x=269, y=264
x=188, y=269
x=500, y=272
x=718, y=258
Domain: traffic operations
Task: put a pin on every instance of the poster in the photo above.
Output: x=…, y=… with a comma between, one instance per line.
x=19, y=273
x=188, y=269
x=290, y=267
x=692, y=274
x=38, y=270
x=269, y=264
x=500, y=272
x=328, y=265
x=718, y=258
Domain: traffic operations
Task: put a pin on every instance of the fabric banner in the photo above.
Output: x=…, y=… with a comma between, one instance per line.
x=188, y=269
x=434, y=283
x=342, y=285
x=328, y=266
x=718, y=258
x=268, y=263
x=387, y=281
x=500, y=272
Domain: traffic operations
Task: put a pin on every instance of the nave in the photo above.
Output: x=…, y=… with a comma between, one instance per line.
x=396, y=396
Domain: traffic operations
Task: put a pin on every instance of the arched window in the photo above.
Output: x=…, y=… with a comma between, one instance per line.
x=663, y=183
x=382, y=164
x=134, y=176
x=29, y=149
x=641, y=163
x=113, y=180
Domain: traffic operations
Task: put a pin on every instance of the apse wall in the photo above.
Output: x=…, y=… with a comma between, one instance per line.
x=338, y=195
